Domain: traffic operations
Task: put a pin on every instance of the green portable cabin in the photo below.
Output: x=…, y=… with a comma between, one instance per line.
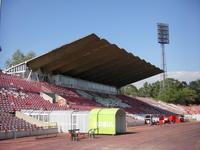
x=107, y=120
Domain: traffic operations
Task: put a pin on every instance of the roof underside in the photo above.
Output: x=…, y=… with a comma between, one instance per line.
x=95, y=59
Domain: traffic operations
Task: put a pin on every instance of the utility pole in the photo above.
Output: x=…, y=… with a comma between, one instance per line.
x=163, y=38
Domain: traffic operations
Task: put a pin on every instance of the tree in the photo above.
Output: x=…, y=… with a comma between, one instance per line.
x=177, y=92
x=155, y=89
x=187, y=96
x=19, y=57
x=30, y=55
x=195, y=85
x=168, y=95
x=174, y=92
x=171, y=92
x=129, y=90
x=145, y=91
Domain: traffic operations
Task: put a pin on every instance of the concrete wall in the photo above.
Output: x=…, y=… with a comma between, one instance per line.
x=35, y=121
x=60, y=100
x=46, y=97
x=17, y=134
x=68, y=81
x=193, y=116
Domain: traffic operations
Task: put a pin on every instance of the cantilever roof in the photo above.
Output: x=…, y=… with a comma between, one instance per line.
x=94, y=59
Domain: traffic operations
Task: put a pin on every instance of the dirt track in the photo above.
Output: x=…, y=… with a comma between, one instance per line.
x=184, y=136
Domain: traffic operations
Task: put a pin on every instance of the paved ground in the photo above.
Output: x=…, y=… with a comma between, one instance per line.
x=184, y=136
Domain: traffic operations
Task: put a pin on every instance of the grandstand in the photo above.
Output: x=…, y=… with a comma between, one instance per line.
x=82, y=75
x=90, y=63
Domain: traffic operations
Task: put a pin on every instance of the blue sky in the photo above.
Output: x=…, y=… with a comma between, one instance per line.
x=42, y=25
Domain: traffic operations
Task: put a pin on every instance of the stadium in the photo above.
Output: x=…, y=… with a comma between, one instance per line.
x=74, y=90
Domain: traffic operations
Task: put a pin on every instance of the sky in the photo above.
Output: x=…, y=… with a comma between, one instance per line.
x=43, y=25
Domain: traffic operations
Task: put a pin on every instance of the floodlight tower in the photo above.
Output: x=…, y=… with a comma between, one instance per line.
x=163, y=38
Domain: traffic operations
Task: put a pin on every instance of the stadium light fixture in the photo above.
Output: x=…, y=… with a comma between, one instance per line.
x=163, y=38
x=163, y=33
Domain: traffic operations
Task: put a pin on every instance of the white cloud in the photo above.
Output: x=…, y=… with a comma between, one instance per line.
x=179, y=75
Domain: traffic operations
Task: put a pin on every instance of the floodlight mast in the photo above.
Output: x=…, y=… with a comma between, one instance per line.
x=163, y=38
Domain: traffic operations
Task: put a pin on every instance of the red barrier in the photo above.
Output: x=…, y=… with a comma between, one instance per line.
x=161, y=119
x=170, y=119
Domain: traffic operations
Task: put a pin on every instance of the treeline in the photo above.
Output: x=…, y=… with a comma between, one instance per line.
x=19, y=57
x=174, y=92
